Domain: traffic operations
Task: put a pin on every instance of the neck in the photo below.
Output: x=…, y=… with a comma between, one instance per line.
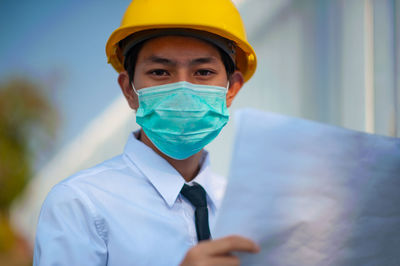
x=188, y=168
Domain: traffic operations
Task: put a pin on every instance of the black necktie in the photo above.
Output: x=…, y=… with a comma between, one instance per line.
x=197, y=196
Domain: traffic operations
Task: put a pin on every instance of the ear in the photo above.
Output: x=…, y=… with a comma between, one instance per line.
x=127, y=90
x=235, y=84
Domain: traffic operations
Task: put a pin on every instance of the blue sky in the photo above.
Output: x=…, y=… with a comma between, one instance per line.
x=61, y=43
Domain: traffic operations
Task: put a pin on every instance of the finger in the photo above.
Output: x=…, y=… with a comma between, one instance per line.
x=229, y=244
x=224, y=261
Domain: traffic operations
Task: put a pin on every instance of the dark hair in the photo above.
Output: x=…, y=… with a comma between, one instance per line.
x=132, y=55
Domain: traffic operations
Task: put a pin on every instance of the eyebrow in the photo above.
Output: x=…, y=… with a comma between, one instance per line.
x=160, y=60
x=166, y=61
x=203, y=60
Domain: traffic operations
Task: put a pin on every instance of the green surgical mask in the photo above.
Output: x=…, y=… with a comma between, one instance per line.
x=181, y=118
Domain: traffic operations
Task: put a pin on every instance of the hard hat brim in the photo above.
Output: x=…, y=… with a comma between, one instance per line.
x=246, y=61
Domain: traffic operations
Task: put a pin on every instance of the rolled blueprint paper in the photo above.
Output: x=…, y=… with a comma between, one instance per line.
x=312, y=194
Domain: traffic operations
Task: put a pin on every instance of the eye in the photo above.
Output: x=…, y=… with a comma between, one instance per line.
x=204, y=72
x=158, y=72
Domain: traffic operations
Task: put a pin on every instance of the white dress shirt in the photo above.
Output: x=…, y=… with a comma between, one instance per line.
x=125, y=211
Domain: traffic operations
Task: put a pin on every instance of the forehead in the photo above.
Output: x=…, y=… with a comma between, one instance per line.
x=178, y=47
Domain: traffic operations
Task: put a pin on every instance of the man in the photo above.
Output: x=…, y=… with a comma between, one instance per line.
x=181, y=63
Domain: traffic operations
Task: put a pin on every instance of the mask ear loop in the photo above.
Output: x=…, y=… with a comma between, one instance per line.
x=227, y=86
x=133, y=87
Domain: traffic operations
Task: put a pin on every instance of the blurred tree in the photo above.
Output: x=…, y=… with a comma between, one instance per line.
x=28, y=121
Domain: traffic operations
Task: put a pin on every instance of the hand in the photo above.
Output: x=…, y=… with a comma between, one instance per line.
x=218, y=252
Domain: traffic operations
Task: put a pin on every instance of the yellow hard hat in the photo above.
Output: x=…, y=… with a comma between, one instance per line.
x=218, y=17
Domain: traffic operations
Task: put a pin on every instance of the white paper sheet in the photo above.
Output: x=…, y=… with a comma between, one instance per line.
x=312, y=194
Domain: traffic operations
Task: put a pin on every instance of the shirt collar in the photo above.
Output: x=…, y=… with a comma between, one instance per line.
x=166, y=180
x=205, y=179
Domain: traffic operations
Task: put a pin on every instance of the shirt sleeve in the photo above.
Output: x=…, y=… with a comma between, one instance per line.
x=69, y=232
